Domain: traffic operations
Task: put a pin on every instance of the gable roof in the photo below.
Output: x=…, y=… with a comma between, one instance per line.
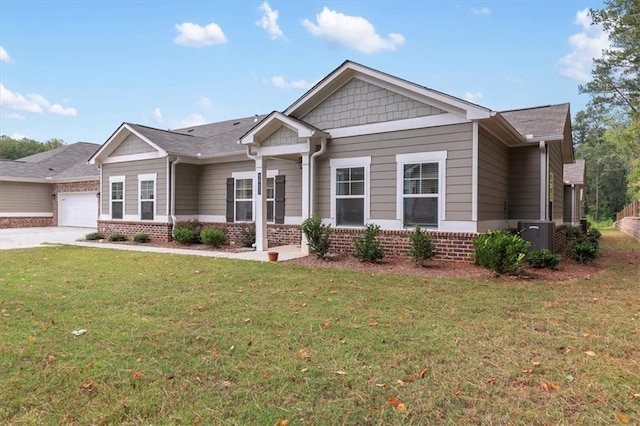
x=574, y=174
x=273, y=122
x=68, y=162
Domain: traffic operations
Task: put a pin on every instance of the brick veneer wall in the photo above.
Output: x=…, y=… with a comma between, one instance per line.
x=560, y=239
x=629, y=225
x=25, y=222
x=84, y=186
x=160, y=232
x=277, y=234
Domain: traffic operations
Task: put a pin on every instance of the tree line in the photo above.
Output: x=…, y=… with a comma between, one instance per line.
x=606, y=134
x=12, y=149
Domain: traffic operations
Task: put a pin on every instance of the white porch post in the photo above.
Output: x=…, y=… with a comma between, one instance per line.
x=306, y=199
x=262, y=243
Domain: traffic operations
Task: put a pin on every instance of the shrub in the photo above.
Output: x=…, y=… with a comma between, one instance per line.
x=92, y=236
x=573, y=232
x=500, y=251
x=117, y=237
x=187, y=232
x=543, y=259
x=593, y=234
x=318, y=235
x=422, y=247
x=583, y=250
x=248, y=236
x=141, y=237
x=213, y=236
x=367, y=247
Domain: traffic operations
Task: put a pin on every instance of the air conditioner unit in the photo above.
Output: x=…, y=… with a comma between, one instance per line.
x=541, y=234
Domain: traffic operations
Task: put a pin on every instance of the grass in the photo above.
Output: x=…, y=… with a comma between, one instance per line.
x=189, y=340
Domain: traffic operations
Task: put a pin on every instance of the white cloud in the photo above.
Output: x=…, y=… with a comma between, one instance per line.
x=157, y=115
x=354, y=32
x=32, y=103
x=192, y=120
x=269, y=21
x=586, y=46
x=196, y=36
x=206, y=104
x=473, y=97
x=481, y=11
x=281, y=83
x=18, y=136
x=16, y=116
x=4, y=56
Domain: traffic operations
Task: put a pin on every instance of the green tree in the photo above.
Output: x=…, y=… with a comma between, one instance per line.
x=12, y=149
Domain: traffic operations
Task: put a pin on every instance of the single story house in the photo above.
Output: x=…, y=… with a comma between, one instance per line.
x=360, y=147
x=52, y=188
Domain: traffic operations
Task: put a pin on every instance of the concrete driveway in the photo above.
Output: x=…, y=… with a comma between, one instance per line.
x=16, y=238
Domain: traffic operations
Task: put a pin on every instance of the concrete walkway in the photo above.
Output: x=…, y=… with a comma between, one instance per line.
x=19, y=238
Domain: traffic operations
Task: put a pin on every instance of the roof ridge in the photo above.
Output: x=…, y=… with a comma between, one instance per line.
x=161, y=130
x=535, y=107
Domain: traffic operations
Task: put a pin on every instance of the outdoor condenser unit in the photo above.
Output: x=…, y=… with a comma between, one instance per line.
x=541, y=234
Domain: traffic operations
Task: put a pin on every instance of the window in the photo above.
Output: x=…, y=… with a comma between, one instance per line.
x=350, y=189
x=147, y=188
x=421, y=188
x=271, y=197
x=116, y=189
x=244, y=200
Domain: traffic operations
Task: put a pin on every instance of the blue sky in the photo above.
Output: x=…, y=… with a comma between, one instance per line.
x=75, y=70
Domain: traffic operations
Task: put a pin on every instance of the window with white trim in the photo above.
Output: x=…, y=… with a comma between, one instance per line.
x=244, y=200
x=421, y=188
x=271, y=199
x=116, y=197
x=147, y=196
x=350, y=191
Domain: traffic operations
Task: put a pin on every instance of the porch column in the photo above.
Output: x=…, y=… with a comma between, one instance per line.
x=306, y=198
x=262, y=243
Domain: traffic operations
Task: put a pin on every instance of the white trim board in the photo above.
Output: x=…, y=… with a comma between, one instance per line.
x=25, y=214
x=396, y=125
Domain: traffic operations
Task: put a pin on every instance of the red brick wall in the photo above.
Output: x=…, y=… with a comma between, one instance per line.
x=84, y=186
x=160, y=232
x=25, y=222
x=630, y=225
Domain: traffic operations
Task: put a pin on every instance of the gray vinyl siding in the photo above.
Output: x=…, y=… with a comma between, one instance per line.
x=383, y=147
x=493, y=177
x=556, y=167
x=213, y=185
x=132, y=145
x=282, y=136
x=213, y=179
x=567, y=214
x=131, y=170
x=187, y=189
x=23, y=197
x=358, y=102
x=524, y=183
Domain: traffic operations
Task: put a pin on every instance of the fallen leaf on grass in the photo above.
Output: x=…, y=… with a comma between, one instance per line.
x=393, y=401
x=373, y=324
x=401, y=383
x=31, y=338
x=284, y=422
x=341, y=373
x=423, y=373
x=137, y=375
x=304, y=354
x=89, y=366
x=401, y=408
x=88, y=386
x=623, y=418
x=591, y=353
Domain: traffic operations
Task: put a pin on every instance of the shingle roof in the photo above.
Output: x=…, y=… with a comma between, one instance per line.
x=66, y=162
x=542, y=121
x=574, y=173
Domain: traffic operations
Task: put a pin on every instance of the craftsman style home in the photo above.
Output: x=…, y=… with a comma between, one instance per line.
x=361, y=147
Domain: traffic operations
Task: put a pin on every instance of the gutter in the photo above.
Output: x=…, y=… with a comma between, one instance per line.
x=312, y=168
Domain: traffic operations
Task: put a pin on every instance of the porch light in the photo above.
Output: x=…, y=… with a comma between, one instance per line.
x=53, y=196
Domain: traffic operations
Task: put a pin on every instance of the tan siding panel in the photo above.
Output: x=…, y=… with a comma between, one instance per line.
x=23, y=197
x=132, y=145
x=556, y=167
x=524, y=183
x=493, y=177
x=213, y=185
x=187, y=184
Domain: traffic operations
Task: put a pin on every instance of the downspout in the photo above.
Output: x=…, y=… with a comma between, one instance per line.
x=312, y=168
x=544, y=185
x=174, y=219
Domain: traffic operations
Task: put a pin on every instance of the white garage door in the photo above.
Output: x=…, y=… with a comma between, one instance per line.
x=77, y=209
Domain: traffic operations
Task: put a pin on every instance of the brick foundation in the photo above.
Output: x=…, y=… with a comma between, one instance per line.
x=25, y=222
x=160, y=232
x=84, y=186
x=630, y=226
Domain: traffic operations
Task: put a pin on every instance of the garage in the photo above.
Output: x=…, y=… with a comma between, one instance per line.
x=78, y=209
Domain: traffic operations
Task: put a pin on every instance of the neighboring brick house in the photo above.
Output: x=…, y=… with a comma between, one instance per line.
x=360, y=147
x=52, y=188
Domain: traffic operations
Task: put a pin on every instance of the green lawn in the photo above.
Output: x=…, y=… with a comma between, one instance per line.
x=189, y=340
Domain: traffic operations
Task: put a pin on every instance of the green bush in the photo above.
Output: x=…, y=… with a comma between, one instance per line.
x=594, y=234
x=187, y=232
x=500, y=251
x=248, y=236
x=543, y=259
x=141, y=237
x=117, y=237
x=318, y=235
x=213, y=236
x=367, y=247
x=92, y=236
x=573, y=232
x=583, y=250
x=422, y=247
